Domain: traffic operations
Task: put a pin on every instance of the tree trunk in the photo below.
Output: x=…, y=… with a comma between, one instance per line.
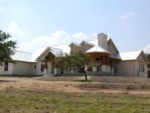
x=85, y=75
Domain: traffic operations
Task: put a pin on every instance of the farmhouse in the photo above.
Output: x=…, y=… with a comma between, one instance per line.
x=104, y=56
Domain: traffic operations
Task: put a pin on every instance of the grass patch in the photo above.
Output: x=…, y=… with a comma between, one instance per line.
x=41, y=101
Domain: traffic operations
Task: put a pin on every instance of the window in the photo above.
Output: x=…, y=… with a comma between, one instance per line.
x=42, y=67
x=35, y=66
x=6, y=66
x=139, y=67
x=98, y=59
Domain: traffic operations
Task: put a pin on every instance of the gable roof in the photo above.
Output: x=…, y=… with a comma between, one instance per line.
x=22, y=56
x=129, y=55
x=97, y=49
x=44, y=51
x=110, y=40
x=29, y=57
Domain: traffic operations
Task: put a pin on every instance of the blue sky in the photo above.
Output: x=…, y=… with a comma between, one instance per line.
x=38, y=23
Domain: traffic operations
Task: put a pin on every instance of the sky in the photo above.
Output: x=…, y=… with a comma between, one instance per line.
x=39, y=23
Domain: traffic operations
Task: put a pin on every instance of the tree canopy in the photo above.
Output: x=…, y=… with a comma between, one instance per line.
x=7, y=47
x=78, y=61
x=148, y=57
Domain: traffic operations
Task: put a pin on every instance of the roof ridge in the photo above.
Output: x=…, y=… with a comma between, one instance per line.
x=130, y=51
x=23, y=52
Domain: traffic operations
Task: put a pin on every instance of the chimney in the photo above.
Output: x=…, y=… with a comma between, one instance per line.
x=102, y=40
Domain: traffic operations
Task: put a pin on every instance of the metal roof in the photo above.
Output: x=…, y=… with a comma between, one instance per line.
x=29, y=57
x=55, y=51
x=97, y=49
x=129, y=55
x=22, y=56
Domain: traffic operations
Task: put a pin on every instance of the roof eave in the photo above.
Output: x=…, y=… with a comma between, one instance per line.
x=98, y=52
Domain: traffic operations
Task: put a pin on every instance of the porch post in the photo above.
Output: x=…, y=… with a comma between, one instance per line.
x=49, y=67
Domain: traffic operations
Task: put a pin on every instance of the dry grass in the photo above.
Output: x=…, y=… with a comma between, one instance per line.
x=106, y=79
x=106, y=84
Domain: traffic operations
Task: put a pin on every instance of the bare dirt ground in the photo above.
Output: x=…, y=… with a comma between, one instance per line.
x=58, y=86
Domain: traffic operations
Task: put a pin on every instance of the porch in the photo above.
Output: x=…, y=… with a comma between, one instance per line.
x=102, y=63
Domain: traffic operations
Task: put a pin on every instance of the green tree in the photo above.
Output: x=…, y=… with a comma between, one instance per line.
x=80, y=62
x=59, y=63
x=7, y=47
x=148, y=57
x=77, y=61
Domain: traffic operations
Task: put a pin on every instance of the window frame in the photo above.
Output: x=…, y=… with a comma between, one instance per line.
x=6, y=66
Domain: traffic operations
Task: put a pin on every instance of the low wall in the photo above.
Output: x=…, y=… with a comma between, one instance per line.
x=81, y=74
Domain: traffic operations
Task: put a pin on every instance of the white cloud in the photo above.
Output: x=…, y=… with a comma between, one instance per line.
x=127, y=15
x=54, y=39
x=14, y=29
x=147, y=49
x=80, y=36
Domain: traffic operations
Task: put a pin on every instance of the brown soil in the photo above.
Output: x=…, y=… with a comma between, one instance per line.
x=60, y=86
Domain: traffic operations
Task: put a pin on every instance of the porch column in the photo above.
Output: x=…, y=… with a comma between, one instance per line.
x=49, y=68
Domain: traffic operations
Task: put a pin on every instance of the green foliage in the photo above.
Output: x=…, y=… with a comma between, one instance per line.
x=148, y=57
x=76, y=61
x=7, y=47
x=80, y=60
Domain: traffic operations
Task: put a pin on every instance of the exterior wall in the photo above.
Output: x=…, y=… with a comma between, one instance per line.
x=75, y=49
x=131, y=68
x=10, y=69
x=105, y=68
x=126, y=68
x=22, y=68
x=38, y=69
x=104, y=58
x=33, y=66
x=141, y=73
x=141, y=60
x=85, y=46
x=49, y=71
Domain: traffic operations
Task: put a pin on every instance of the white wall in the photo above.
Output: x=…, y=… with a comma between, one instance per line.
x=38, y=69
x=22, y=68
x=131, y=68
x=126, y=68
x=34, y=66
x=105, y=68
x=141, y=74
x=10, y=69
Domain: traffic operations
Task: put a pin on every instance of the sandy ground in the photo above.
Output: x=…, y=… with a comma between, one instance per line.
x=60, y=86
